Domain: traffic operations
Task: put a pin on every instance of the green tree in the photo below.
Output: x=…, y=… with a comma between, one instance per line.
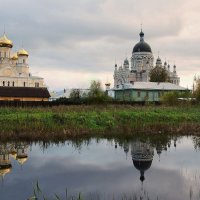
x=75, y=94
x=159, y=74
x=96, y=90
x=197, y=89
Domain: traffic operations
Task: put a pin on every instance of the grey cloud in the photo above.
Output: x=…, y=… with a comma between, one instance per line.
x=87, y=35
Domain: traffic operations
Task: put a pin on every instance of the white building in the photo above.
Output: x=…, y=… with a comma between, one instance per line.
x=16, y=77
x=142, y=61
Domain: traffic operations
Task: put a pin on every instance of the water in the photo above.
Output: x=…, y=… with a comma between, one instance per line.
x=166, y=169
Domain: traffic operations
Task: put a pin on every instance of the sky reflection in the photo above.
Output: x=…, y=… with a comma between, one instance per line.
x=102, y=169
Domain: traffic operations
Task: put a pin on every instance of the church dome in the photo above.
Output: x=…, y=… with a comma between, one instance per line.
x=142, y=165
x=126, y=62
x=22, y=159
x=3, y=172
x=15, y=57
x=158, y=62
x=142, y=46
x=5, y=42
x=22, y=52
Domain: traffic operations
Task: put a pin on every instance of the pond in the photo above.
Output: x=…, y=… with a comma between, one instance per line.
x=103, y=169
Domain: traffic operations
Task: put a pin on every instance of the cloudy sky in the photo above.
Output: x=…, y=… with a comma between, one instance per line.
x=71, y=42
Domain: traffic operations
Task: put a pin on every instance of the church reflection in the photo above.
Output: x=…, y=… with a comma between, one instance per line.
x=17, y=151
x=142, y=156
x=142, y=152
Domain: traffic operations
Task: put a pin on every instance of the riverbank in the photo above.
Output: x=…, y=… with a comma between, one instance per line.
x=66, y=122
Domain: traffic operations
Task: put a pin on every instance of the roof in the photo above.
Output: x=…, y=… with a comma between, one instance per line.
x=24, y=92
x=5, y=42
x=152, y=86
x=22, y=52
x=142, y=46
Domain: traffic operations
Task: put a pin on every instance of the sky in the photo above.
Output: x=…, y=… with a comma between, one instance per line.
x=72, y=42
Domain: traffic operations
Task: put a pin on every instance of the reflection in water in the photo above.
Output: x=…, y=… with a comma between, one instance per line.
x=163, y=169
x=5, y=163
x=17, y=151
x=142, y=156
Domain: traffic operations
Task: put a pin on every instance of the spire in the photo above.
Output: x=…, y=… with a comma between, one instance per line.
x=142, y=178
x=141, y=35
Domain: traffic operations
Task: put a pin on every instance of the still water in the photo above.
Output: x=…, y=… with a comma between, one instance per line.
x=103, y=169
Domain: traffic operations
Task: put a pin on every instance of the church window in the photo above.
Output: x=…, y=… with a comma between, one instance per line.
x=3, y=83
x=138, y=94
x=8, y=83
x=147, y=95
x=23, y=61
x=4, y=54
x=24, y=84
x=13, y=83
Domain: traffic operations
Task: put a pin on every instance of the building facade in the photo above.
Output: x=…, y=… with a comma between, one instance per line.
x=141, y=62
x=15, y=75
x=145, y=91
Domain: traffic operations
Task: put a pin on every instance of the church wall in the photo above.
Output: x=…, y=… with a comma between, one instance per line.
x=5, y=52
x=19, y=82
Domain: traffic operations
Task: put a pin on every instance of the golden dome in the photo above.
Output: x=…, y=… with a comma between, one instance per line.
x=22, y=159
x=3, y=172
x=5, y=42
x=22, y=52
x=15, y=57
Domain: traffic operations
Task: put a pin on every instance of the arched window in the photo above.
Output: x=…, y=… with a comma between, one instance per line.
x=3, y=83
x=4, y=54
x=8, y=83
x=24, y=84
x=23, y=61
x=13, y=83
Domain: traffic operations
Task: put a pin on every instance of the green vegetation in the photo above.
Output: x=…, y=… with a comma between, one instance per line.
x=177, y=98
x=64, y=122
x=159, y=74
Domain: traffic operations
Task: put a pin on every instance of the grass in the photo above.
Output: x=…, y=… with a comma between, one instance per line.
x=65, y=122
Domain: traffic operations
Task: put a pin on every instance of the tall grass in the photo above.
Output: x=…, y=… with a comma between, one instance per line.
x=64, y=122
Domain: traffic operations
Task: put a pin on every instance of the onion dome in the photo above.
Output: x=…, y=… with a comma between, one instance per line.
x=5, y=42
x=22, y=159
x=107, y=84
x=142, y=166
x=142, y=46
x=3, y=172
x=5, y=165
x=15, y=57
x=126, y=62
x=22, y=52
x=142, y=156
x=158, y=62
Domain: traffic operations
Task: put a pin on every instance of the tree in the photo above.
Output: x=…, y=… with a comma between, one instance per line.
x=96, y=90
x=197, y=89
x=159, y=74
x=75, y=94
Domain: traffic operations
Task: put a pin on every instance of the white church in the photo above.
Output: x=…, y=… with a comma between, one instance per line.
x=139, y=66
x=132, y=79
x=16, y=81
